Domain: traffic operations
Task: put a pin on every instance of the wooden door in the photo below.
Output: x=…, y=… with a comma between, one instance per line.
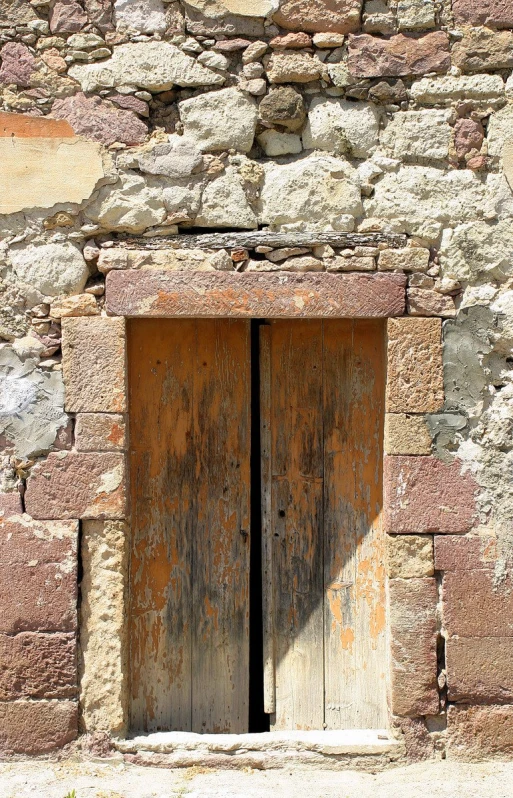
x=322, y=396
x=189, y=569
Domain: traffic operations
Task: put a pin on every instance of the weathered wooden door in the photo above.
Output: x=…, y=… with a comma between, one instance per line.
x=189, y=569
x=322, y=386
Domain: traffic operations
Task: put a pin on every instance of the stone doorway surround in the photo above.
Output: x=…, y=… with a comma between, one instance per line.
x=424, y=498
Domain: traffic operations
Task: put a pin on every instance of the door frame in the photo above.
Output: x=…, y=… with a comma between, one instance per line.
x=413, y=343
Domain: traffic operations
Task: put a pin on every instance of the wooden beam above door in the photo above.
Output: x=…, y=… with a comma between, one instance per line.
x=163, y=293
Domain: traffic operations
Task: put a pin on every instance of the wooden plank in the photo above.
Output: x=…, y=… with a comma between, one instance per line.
x=296, y=369
x=355, y=645
x=164, y=293
x=221, y=543
x=255, y=238
x=162, y=500
x=267, y=530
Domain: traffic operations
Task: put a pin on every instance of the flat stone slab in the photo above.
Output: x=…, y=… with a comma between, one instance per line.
x=152, y=292
x=346, y=743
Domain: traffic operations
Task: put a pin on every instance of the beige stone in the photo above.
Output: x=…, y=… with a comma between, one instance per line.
x=507, y=162
x=405, y=434
x=410, y=556
x=243, y=8
x=415, y=372
x=93, y=359
x=100, y=432
x=409, y=259
x=103, y=666
x=41, y=172
x=79, y=305
x=293, y=68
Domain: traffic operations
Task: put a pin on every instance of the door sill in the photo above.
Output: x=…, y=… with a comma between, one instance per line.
x=366, y=749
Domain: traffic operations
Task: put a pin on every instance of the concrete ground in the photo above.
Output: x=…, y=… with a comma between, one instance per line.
x=115, y=780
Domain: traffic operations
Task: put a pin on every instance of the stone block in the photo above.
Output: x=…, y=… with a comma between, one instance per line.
x=37, y=665
x=37, y=727
x=408, y=259
x=430, y=91
x=483, y=49
x=480, y=670
x=38, y=584
x=220, y=120
x=293, y=68
x=99, y=432
x=236, y=295
x=406, y=434
x=397, y=56
x=418, y=134
x=479, y=732
x=103, y=628
x=423, y=494
x=413, y=647
x=77, y=485
x=458, y=553
x=476, y=605
x=425, y=302
x=10, y=504
x=493, y=13
x=98, y=121
x=335, y=16
x=68, y=168
x=93, y=362
x=410, y=556
x=415, y=372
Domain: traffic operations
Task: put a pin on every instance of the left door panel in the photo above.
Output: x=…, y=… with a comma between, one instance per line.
x=190, y=493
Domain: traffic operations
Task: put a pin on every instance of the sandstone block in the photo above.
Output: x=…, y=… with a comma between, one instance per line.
x=37, y=665
x=430, y=91
x=479, y=732
x=406, y=434
x=418, y=134
x=416, y=14
x=482, y=49
x=67, y=16
x=77, y=485
x=291, y=41
x=155, y=65
x=18, y=64
x=476, y=605
x=375, y=57
x=338, y=16
x=10, y=504
x=242, y=295
x=220, y=120
x=103, y=630
x=293, y=68
x=93, y=359
x=424, y=302
x=413, y=647
x=37, y=727
x=99, y=432
x=480, y=669
x=415, y=374
x=98, y=121
x=410, y=556
x=52, y=269
x=78, y=305
x=468, y=135
x=38, y=585
x=422, y=494
x=493, y=13
x=342, y=127
x=457, y=553
x=408, y=259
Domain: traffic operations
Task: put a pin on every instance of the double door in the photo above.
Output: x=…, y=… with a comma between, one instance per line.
x=308, y=397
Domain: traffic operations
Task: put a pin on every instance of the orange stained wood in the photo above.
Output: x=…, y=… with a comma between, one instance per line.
x=189, y=574
x=328, y=596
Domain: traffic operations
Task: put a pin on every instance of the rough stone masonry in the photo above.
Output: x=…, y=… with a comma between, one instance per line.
x=388, y=119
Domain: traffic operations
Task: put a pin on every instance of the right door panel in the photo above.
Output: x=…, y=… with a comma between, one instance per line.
x=325, y=599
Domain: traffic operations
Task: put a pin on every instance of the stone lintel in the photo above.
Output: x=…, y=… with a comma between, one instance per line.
x=162, y=293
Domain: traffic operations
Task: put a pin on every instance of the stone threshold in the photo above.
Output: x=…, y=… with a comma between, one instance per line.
x=367, y=749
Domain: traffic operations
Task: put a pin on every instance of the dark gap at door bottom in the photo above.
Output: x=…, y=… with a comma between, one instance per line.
x=258, y=719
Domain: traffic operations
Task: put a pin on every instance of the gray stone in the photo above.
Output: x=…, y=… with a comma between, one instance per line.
x=477, y=251
x=220, y=120
x=156, y=66
x=31, y=404
x=52, y=269
x=466, y=340
x=130, y=206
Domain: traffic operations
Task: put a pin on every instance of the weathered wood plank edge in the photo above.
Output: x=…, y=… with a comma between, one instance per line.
x=256, y=238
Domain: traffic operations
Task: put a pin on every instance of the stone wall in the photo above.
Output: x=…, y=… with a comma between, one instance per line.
x=389, y=119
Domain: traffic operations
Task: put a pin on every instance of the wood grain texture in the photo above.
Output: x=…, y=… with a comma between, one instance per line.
x=296, y=368
x=189, y=453
x=167, y=294
x=266, y=516
x=354, y=571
